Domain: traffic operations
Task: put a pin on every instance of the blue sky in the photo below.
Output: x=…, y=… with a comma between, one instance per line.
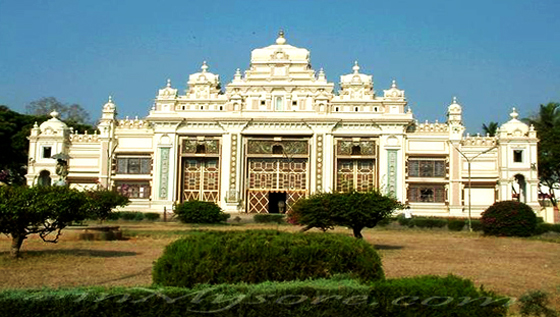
x=492, y=55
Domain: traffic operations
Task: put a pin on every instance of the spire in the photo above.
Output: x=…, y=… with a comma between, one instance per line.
x=394, y=84
x=281, y=40
x=168, y=83
x=356, y=67
x=204, y=67
x=454, y=100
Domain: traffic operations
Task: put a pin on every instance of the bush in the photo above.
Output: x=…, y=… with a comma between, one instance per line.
x=536, y=303
x=152, y=216
x=114, y=215
x=138, y=216
x=196, y=211
x=387, y=221
x=424, y=222
x=547, y=227
x=264, y=255
x=128, y=215
x=509, y=218
x=273, y=299
x=269, y=218
x=455, y=224
x=476, y=224
x=405, y=222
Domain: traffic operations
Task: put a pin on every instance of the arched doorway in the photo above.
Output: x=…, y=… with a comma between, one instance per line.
x=44, y=178
x=519, y=188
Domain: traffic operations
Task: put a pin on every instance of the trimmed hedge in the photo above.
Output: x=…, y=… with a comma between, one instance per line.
x=269, y=218
x=257, y=256
x=547, y=227
x=196, y=211
x=425, y=222
x=456, y=224
x=419, y=296
x=152, y=216
x=509, y=218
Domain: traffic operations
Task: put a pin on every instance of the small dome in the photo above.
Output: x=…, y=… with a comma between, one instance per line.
x=109, y=106
x=53, y=125
x=514, y=127
x=356, y=78
x=204, y=76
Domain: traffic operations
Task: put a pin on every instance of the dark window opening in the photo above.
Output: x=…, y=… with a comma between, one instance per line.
x=356, y=150
x=294, y=103
x=277, y=149
x=47, y=152
x=262, y=102
x=356, y=109
x=336, y=109
x=221, y=108
x=200, y=149
x=277, y=203
x=518, y=156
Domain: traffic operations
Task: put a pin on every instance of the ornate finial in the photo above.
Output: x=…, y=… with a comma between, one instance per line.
x=532, y=128
x=281, y=40
x=54, y=114
x=454, y=99
x=35, y=125
x=110, y=99
x=321, y=73
x=204, y=67
x=514, y=113
x=237, y=75
x=394, y=84
x=154, y=107
x=356, y=67
x=168, y=83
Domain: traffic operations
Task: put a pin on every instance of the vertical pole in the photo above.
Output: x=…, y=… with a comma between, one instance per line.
x=470, y=222
x=164, y=214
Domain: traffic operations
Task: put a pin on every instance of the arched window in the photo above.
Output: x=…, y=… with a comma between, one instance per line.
x=44, y=178
x=277, y=149
x=356, y=150
x=200, y=149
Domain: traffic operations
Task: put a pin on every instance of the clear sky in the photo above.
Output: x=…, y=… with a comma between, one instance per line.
x=491, y=54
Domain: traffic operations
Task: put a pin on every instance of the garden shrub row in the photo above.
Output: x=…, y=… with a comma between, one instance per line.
x=204, y=212
x=453, y=224
x=547, y=227
x=256, y=256
x=134, y=216
x=269, y=218
x=419, y=296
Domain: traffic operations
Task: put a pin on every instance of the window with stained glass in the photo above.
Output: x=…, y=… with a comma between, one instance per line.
x=134, y=165
x=141, y=190
x=426, y=193
x=426, y=168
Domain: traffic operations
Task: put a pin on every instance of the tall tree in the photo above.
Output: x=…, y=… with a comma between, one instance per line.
x=44, y=106
x=491, y=128
x=547, y=124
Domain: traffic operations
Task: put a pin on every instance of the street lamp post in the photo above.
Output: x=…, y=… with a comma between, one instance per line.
x=469, y=161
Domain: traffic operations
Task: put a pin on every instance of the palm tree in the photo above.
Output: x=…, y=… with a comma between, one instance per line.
x=491, y=128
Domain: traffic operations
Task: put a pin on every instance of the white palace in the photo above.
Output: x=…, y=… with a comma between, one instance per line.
x=279, y=132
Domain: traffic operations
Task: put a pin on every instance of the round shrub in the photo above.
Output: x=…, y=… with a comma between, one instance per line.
x=257, y=256
x=509, y=218
x=196, y=211
x=128, y=215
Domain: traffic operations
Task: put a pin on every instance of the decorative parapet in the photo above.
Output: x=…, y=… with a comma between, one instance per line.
x=428, y=127
x=479, y=140
x=133, y=124
x=84, y=138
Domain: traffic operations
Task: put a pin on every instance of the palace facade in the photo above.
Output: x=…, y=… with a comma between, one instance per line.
x=279, y=132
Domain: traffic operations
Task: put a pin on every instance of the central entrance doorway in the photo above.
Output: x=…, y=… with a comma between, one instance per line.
x=277, y=202
x=273, y=182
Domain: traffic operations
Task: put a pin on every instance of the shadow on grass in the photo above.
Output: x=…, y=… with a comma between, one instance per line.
x=387, y=247
x=72, y=252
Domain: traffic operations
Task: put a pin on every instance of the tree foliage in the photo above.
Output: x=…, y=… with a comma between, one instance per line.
x=547, y=125
x=68, y=112
x=103, y=201
x=491, y=128
x=44, y=211
x=356, y=210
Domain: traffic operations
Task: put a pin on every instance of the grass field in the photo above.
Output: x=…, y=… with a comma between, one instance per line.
x=509, y=266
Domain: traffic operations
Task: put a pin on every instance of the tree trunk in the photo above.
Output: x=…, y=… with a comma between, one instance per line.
x=306, y=228
x=17, y=241
x=357, y=232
